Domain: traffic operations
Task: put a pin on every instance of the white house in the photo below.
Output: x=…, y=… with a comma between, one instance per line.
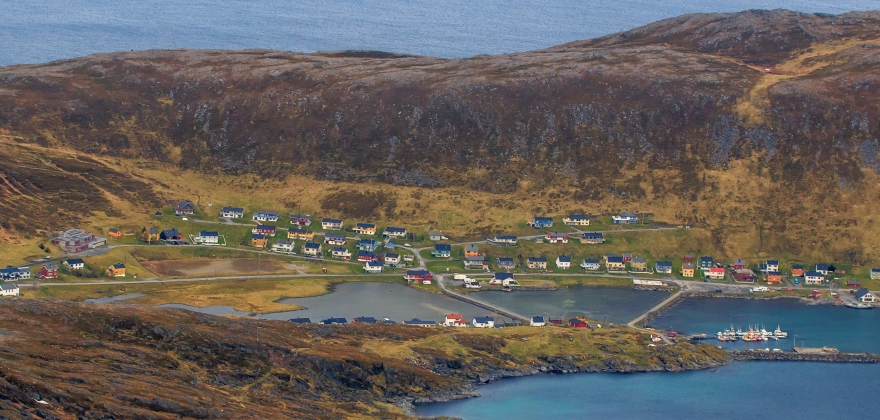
x=813, y=277
x=232, y=213
x=11, y=273
x=207, y=238
x=591, y=265
x=340, y=252
x=331, y=224
x=484, y=322
x=394, y=232
x=864, y=296
x=75, y=264
x=563, y=261
x=624, y=218
x=537, y=321
x=266, y=216
x=373, y=266
x=454, y=320
x=9, y=290
x=283, y=245
x=392, y=258
x=576, y=220
x=311, y=248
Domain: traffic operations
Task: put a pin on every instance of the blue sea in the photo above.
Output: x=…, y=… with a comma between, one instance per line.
x=41, y=31
x=754, y=390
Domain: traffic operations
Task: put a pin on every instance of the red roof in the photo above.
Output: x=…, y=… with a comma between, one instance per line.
x=454, y=316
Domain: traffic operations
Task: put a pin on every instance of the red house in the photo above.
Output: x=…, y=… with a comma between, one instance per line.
x=267, y=230
x=577, y=323
x=555, y=321
x=739, y=264
x=48, y=271
x=627, y=258
x=688, y=258
x=421, y=276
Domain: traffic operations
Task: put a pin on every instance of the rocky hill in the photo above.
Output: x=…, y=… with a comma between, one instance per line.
x=760, y=123
x=63, y=360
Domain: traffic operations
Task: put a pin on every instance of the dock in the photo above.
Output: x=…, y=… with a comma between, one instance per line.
x=757, y=354
x=479, y=303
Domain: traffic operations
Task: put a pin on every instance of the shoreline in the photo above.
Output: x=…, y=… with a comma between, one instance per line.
x=684, y=296
x=563, y=365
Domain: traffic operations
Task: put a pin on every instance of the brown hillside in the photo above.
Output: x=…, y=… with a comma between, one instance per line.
x=760, y=125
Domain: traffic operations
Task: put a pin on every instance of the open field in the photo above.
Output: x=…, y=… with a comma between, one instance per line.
x=247, y=295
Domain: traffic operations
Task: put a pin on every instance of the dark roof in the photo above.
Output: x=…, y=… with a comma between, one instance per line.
x=368, y=242
x=118, y=266
x=503, y=276
x=267, y=212
x=615, y=259
x=208, y=233
x=443, y=247
x=417, y=272
x=578, y=216
x=638, y=260
x=232, y=210
x=266, y=227
x=591, y=261
x=814, y=274
x=471, y=247
x=505, y=259
x=334, y=321
x=366, y=225
x=365, y=320
x=334, y=236
x=416, y=321
x=537, y=319
x=171, y=232
x=258, y=236
x=75, y=261
x=8, y=286
x=537, y=259
x=366, y=254
x=113, y=230
x=185, y=204
x=391, y=255
x=772, y=262
x=312, y=245
x=483, y=319
x=706, y=259
x=301, y=320
x=374, y=264
x=329, y=220
x=300, y=216
x=861, y=292
x=505, y=237
x=797, y=267
x=394, y=229
x=821, y=267
x=564, y=258
x=663, y=264
x=593, y=235
x=339, y=249
x=630, y=215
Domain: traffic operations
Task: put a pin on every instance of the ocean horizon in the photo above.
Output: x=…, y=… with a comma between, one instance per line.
x=38, y=32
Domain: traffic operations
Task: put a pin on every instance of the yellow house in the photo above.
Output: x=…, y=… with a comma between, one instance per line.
x=259, y=240
x=128, y=233
x=365, y=228
x=151, y=235
x=116, y=270
x=687, y=269
x=114, y=233
x=301, y=234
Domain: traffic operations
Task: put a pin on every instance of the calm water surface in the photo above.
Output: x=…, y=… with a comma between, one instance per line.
x=755, y=390
x=614, y=304
x=40, y=31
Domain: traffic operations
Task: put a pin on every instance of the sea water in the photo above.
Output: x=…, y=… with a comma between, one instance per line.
x=742, y=390
x=40, y=31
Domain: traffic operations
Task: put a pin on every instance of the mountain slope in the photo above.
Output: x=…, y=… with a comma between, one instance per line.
x=761, y=126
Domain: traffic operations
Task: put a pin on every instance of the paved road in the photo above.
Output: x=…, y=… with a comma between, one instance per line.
x=216, y=278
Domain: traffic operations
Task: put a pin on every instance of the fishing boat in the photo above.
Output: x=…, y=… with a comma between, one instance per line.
x=858, y=305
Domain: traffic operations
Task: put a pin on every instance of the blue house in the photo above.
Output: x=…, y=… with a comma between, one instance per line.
x=592, y=238
x=420, y=323
x=368, y=245
x=663, y=267
x=334, y=321
x=822, y=268
x=706, y=263
x=442, y=251
x=11, y=273
x=539, y=222
x=301, y=320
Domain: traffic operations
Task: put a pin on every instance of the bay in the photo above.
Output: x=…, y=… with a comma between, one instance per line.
x=41, y=31
x=741, y=390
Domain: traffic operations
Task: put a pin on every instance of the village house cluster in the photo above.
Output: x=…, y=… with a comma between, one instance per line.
x=456, y=321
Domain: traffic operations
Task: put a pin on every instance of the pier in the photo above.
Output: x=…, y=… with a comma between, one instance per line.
x=485, y=305
x=754, y=354
x=661, y=305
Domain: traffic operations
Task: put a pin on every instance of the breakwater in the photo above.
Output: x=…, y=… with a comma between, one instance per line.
x=742, y=355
